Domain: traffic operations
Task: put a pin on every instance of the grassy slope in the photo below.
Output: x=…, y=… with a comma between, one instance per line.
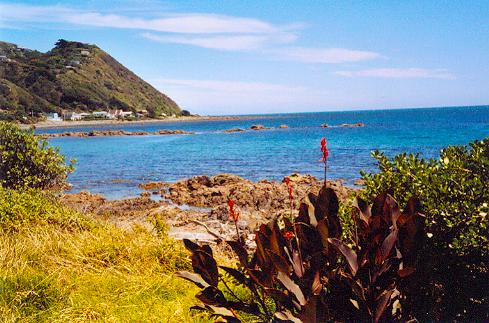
x=99, y=82
x=56, y=265
x=105, y=79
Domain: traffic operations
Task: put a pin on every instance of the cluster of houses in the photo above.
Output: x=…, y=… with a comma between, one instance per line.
x=111, y=114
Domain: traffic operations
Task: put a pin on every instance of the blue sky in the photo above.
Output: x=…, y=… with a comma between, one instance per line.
x=239, y=57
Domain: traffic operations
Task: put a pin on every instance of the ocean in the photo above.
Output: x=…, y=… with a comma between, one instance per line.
x=114, y=166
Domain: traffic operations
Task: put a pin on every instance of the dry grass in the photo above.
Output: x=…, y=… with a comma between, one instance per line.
x=86, y=271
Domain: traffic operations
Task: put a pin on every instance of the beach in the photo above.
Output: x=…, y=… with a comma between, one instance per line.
x=109, y=122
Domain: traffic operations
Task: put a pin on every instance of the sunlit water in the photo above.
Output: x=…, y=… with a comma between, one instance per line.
x=115, y=166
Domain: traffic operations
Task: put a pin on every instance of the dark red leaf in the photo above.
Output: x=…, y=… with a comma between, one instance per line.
x=406, y=271
x=382, y=303
x=317, y=286
x=309, y=313
x=205, y=265
x=388, y=243
x=190, y=245
x=278, y=261
x=297, y=265
x=212, y=296
x=349, y=254
x=236, y=274
x=240, y=251
x=322, y=228
x=292, y=287
x=193, y=277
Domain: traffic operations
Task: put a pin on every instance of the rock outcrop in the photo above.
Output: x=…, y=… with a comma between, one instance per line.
x=100, y=133
x=258, y=127
x=234, y=130
x=257, y=201
x=196, y=208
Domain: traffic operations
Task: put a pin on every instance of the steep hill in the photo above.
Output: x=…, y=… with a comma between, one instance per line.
x=73, y=76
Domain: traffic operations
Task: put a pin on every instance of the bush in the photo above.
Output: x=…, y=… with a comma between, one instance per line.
x=295, y=275
x=33, y=207
x=454, y=192
x=26, y=162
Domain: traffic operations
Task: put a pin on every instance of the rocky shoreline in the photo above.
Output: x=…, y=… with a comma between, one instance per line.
x=99, y=133
x=196, y=208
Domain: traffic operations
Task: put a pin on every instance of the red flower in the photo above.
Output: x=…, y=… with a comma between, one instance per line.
x=288, y=235
x=232, y=213
x=324, y=149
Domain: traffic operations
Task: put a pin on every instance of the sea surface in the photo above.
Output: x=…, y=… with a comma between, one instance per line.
x=114, y=166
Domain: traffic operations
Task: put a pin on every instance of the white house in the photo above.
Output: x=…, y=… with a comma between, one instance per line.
x=53, y=117
x=119, y=114
x=125, y=114
x=100, y=114
x=73, y=116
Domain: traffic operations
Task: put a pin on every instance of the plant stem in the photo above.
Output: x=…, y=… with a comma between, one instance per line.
x=325, y=170
x=237, y=231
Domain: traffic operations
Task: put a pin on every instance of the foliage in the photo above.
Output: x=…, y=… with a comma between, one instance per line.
x=26, y=162
x=454, y=191
x=21, y=209
x=295, y=273
x=59, y=266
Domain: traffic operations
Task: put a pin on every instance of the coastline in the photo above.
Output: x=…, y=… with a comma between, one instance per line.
x=82, y=123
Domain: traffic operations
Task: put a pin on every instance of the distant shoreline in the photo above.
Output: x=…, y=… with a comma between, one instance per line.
x=81, y=123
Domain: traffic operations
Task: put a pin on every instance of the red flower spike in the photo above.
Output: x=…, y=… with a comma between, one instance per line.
x=232, y=213
x=324, y=149
x=288, y=235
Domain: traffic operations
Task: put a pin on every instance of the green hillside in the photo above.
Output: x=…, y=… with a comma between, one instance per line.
x=73, y=76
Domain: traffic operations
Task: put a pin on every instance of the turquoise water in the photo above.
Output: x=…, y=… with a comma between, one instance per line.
x=114, y=166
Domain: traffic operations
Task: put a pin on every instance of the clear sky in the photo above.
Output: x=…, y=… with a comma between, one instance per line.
x=259, y=56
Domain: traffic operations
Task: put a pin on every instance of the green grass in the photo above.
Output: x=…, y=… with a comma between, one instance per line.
x=59, y=266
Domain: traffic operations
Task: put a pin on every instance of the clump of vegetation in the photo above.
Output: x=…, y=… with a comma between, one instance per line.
x=454, y=191
x=295, y=273
x=26, y=162
x=380, y=264
x=57, y=265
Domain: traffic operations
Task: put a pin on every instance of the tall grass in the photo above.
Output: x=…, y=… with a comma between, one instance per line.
x=59, y=266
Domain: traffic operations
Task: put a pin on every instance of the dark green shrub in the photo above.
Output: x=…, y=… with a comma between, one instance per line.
x=26, y=162
x=295, y=274
x=454, y=191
